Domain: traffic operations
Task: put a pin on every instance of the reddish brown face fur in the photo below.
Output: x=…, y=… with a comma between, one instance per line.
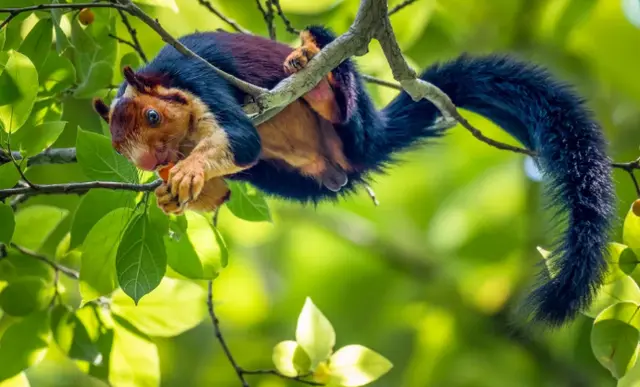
x=149, y=122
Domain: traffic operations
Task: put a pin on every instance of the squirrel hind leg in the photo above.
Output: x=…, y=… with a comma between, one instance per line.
x=334, y=178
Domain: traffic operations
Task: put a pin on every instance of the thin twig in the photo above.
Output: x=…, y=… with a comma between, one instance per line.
x=270, y=19
x=124, y=41
x=400, y=6
x=287, y=23
x=55, y=266
x=134, y=36
x=381, y=82
x=221, y=340
x=299, y=379
x=221, y=16
x=78, y=188
x=630, y=167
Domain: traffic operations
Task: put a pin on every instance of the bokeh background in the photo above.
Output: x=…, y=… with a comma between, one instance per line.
x=431, y=277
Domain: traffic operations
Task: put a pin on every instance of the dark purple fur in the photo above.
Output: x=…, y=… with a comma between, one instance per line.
x=544, y=115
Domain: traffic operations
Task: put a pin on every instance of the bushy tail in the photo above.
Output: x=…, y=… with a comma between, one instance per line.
x=547, y=117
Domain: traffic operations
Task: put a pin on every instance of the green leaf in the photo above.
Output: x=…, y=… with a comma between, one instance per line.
x=24, y=344
x=621, y=260
x=23, y=73
x=20, y=380
x=199, y=252
x=85, y=49
x=93, y=206
x=35, y=224
x=308, y=8
x=141, y=260
x=621, y=290
x=26, y=295
x=71, y=335
x=98, y=275
x=57, y=74
x=32, y=140
x=355, y=365
x=131, y=59
x=134, y=359
x=160, y=3
x=248, y=203
x=631, y=231
x=37, y=44
x=614, y=337
x=7, y=223
x=9, y=175
x=290, y=359
x=3, y=37
x=9, y=90
x=315, y=333
x=98, y=78
x=62, y=41
x=99, y=160
x=172, y=298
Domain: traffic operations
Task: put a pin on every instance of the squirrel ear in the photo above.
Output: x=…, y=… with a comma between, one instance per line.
x=133, y=79
x=101, y=108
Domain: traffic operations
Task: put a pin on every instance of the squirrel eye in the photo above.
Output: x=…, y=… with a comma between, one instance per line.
x=153, y=117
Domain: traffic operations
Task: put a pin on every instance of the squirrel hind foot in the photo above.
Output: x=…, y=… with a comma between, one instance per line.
x=334, y=178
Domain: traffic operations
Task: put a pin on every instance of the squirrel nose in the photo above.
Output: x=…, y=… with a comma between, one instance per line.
x=147, y=161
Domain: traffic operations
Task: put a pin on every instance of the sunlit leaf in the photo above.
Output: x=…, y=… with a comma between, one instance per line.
x=20, y=380
x=93, y=206
x=160, y=3
x=7, y=223
x=26, y=295
x=9, y=175
x=32, y=140
x=62, y=41
x=290, y=359
x=199, y=252
x=35, y=224
x=248, y=203
x=182, y=299
x=296, y=6
x=72, y=336
x=24, y=75
x=141, y=259
x=314, y=333
x=355, y=365
x=3, y=37
x=623, y=289
x=98, y=78
x=631, y=230
x=9, y=90
x=57, y=74
x=98, y=275
x=24, y=344
x=36, y=46
x=134, y=359
x=614, y=337
x=99, y=160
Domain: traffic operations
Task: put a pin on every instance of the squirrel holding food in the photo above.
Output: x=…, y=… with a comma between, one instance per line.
x=177, y=112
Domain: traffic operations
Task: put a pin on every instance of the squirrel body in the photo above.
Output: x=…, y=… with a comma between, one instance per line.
x=177, y=110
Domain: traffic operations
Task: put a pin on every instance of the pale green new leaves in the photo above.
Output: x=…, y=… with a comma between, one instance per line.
x=315, y=333
x=23, y=75
x=353, y=365
x=134, y=360
x=173, y=307
x=614, y=337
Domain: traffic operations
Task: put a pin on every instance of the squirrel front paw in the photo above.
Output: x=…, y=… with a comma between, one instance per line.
x=297, y=60
x=186, y=180
x=167, y=202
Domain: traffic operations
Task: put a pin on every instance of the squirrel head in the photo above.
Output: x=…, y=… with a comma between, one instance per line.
x=149, y=121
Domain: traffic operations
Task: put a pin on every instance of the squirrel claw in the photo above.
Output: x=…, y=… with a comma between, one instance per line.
x=186, y=180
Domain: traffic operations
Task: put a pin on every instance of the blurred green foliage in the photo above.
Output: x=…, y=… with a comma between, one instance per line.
x=428, y=279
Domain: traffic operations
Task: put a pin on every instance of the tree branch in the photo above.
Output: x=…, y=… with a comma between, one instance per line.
x=285, y=20
x=78, y=188
x=135, y=43
x=221, y=16
x=54, y=265
x=400, y=6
